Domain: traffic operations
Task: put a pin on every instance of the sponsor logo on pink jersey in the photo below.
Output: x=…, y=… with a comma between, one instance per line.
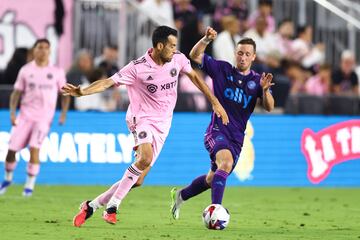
x=330, y=146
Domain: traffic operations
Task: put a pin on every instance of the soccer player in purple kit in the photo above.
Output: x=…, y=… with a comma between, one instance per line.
x=237, y=88
x=151, y=82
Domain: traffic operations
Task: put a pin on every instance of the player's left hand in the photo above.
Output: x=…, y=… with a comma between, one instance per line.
x=266, y=81
x=62, y=119
x=220, y=112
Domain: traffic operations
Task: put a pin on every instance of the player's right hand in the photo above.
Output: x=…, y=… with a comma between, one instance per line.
x=70, y=90
x=221, y=113
x=210, y=33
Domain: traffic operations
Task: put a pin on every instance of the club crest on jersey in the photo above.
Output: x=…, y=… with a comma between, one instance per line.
x=31, y=86
x=152, y=88
x=49, y=76
x=251, y=84
x=142, y=135
x=173, y=72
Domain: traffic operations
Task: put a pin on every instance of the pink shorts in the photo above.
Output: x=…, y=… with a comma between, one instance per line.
x=28, y=132
x=146, y=133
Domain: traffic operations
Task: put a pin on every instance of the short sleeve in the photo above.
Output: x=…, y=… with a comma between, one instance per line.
x=336, y=77
x=61, y=81
x=20, y=80
x=354, y=79
x=210, y=65
x=185, y=64
x=126, y=75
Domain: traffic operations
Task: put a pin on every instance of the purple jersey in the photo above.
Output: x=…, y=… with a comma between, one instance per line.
x=237, y=93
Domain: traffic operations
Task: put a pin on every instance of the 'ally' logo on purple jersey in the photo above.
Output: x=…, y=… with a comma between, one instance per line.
x=237, y=95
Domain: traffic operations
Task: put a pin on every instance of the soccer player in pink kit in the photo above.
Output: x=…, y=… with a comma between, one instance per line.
x=151, y=82
x=38, y=84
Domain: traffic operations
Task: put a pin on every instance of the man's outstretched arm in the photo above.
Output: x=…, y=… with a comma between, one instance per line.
x=95, y=87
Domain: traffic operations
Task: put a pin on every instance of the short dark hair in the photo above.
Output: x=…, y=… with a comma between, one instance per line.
x=266, y=3
x=41, y=40
x=248, y=41
x=302, y=29
x=161, y=34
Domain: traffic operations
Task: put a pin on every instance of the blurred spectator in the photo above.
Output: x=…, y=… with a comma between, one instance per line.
x=105, y=101
x=304, y=51
x=225, y=43
x=80, y=69
x=345, y=80
x=203, y=6
x=319, y=84
x=297, y=77
x=108, y=60
x=237, y=8
x=20, y=57
x=186, y=21
x=357, y=70
x=283, y=38
x=160, y=10
x=184, y=12
x=267, y=55
x=190, y=34
x=264, y=10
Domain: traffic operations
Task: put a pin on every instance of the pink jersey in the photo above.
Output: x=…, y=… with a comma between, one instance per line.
x=152, y=89
x=40, y=87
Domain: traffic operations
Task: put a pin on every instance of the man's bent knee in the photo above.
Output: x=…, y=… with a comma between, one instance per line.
x=10, y=157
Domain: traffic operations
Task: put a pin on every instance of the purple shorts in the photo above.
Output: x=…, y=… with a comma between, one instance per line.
x=216, y=141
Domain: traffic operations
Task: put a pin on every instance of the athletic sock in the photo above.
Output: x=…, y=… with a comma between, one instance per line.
x=218, y=186
x=9, y=170
x=32, y=171
x=130, y=177
x=197, y=186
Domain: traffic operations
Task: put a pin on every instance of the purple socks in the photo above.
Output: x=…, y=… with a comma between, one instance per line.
x=197, y=186
x=218, y=186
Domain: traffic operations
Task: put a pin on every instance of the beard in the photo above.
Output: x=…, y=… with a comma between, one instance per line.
x=166, y=59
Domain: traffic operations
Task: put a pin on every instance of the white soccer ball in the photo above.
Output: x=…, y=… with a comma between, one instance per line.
x=216, y=217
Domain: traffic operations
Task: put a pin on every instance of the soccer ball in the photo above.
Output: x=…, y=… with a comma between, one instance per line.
x=216, y=217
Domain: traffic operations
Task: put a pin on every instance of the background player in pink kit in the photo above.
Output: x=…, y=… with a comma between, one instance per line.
x=151, y=82
x=38, y=84
x=237, y=88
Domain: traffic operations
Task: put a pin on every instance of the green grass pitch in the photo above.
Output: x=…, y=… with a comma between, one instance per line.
x=256, y=213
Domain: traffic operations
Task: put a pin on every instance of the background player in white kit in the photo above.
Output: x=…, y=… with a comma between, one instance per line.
x=38, y=84
x=151, y=82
